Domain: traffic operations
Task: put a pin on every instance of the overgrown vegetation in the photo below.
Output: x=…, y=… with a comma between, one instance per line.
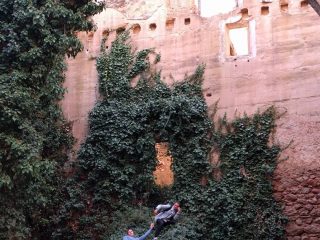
x=35, y=36
x=114, y=187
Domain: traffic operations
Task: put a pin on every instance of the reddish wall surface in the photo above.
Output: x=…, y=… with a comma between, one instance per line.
x=81, y=84
x=282, y=69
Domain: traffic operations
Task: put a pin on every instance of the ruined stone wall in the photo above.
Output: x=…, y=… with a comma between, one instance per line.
x=282, y=67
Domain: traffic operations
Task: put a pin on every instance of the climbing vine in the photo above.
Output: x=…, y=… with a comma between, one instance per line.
x=241, y=201
x=113, y=186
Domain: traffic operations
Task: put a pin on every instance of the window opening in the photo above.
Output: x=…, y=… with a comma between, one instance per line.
x=136, y=28
x=163, y=173
x=284, y=5
x=244, y=12
x=238, y=41
x=304, y=3
x=264, y=10
x=153, y=26
x=187, y=21
x=170, y=23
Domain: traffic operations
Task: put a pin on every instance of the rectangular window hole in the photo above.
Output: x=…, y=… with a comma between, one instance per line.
x=238, y=41
x=264, y=10
x=284, y=7
x=187, y=21
x=170, y=23
x=163, y=174
x=244, y=12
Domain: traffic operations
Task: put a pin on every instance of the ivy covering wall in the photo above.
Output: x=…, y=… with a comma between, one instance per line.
x=113, y=186
x=35, y=37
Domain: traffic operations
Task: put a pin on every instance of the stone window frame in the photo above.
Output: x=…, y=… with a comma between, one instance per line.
x=232, y=23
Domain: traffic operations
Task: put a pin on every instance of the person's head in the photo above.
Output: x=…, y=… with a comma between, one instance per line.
x=176, y=205
x=130, y=232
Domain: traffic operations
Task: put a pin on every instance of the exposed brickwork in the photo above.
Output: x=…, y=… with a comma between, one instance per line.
x=300, y=194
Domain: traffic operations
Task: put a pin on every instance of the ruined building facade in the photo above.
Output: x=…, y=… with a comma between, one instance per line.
x=257, y=54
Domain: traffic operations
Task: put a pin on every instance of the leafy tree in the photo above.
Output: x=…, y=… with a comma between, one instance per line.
x=35, y=36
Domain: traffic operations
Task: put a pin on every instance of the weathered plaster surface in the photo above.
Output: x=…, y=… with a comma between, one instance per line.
x=284, y=70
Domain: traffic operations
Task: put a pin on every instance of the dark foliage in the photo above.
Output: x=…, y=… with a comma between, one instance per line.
x=35, y=36
x=114, y=174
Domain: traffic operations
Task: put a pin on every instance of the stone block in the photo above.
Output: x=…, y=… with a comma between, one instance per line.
x=294, y=230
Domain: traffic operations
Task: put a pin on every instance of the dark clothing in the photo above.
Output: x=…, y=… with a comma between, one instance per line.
x=160, y=224
x=166, y=212
x=167, y=215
